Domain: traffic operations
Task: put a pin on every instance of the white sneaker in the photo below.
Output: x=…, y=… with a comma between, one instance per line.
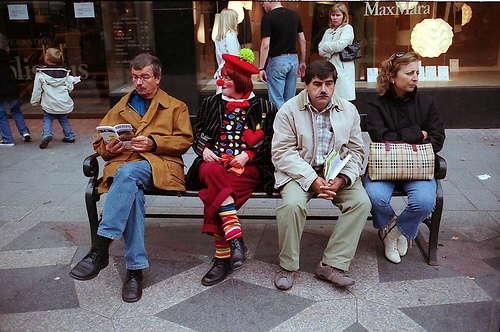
x=402, y=245
x=6, y=144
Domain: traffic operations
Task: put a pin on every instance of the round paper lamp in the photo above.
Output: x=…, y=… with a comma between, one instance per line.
x=431, y=37
x=237, y=7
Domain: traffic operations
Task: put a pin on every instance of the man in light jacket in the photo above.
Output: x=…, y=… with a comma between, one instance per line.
x=306, y=129
x=162, y=135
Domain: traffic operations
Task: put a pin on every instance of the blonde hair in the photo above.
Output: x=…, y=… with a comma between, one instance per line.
x=392, y=66
x=227, y=22
x=54, y=55
x=343, y=10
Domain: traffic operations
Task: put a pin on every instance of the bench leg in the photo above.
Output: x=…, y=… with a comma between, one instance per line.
x=434, y=231
x=91, y=198
x=429, y=248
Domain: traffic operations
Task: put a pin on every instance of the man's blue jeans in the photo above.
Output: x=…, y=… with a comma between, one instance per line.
x=281, y=75
x=421, y=202
x=124, y=211
x=48, y=118
x=17, y=115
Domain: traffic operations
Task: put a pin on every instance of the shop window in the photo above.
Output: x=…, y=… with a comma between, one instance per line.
x=39, y=25
x=383, y=28
x=128, y=31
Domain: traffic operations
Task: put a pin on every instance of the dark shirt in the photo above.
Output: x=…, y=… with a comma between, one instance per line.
x=282, y=25
x=391, y=119
x=8, y=83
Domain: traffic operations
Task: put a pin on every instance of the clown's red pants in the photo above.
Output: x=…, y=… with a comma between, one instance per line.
x=218, y=185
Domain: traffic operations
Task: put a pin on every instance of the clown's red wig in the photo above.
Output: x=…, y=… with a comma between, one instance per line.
x=242, y=83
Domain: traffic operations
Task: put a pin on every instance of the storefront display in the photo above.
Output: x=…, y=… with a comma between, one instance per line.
x=100, y=38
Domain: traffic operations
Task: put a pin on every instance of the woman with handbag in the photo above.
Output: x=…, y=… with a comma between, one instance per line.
x=232, y=138
x=336, y=38
x=226, y=40
x=402, y=114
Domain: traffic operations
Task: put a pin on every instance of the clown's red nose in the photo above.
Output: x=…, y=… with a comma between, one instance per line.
x=219, y=82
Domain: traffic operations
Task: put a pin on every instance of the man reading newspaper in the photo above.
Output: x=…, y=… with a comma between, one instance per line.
x=162, y=134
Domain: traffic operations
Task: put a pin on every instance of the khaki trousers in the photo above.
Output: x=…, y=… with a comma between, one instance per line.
x=354, y=205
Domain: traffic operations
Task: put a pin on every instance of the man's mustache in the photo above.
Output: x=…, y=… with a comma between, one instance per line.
x=322, y=95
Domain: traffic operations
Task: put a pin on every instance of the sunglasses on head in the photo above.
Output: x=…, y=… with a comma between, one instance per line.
x=397, y=55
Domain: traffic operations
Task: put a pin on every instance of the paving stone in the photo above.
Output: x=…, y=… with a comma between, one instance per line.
x=14, y=213
x=427, y=292
x=490, y=283
x=468, y=219
x=457, y=203
x=146, y=323
x=37, y=289
x=318, y=317
x=476, y=233
x=265, y=311
x=158, y=271
x=483, y=199
x=41, y=235
x=452, y=317
x=356, y=327
x=449, y=188
x=54, y=320
x=377, y=317
x=36, y=257
x=495, y=215
x=464, y=179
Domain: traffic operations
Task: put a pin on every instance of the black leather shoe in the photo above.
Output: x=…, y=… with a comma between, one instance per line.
x=132, y=287
x=219, y=271
x=90, y=266
x=238, y=253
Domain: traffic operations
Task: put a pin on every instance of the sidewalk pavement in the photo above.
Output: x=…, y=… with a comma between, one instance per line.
x=44, y=232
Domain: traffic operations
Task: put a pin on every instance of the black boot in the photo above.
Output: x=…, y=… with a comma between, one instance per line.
x=95, y=260
x=132, y=287
x=219, y=271
x=238, y=253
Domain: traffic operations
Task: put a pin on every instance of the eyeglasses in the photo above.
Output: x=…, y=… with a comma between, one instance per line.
x=142, y=78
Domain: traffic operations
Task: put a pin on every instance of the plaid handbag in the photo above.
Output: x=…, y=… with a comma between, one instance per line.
x=391, y=161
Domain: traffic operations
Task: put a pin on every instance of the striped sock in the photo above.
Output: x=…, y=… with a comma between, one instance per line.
x=230, y=222
x=221, y=247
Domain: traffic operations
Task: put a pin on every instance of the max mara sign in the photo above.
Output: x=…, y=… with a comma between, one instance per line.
x=384, y=10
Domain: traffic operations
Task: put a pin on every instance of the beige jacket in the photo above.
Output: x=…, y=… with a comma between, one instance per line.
x=294, y=141
x=333, y=42
x=167, y=122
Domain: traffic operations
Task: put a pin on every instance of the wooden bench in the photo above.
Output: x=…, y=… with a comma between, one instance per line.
x=427, y=246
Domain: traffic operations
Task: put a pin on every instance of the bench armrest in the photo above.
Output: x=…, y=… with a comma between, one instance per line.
x=91, y=166
x=440, y=168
